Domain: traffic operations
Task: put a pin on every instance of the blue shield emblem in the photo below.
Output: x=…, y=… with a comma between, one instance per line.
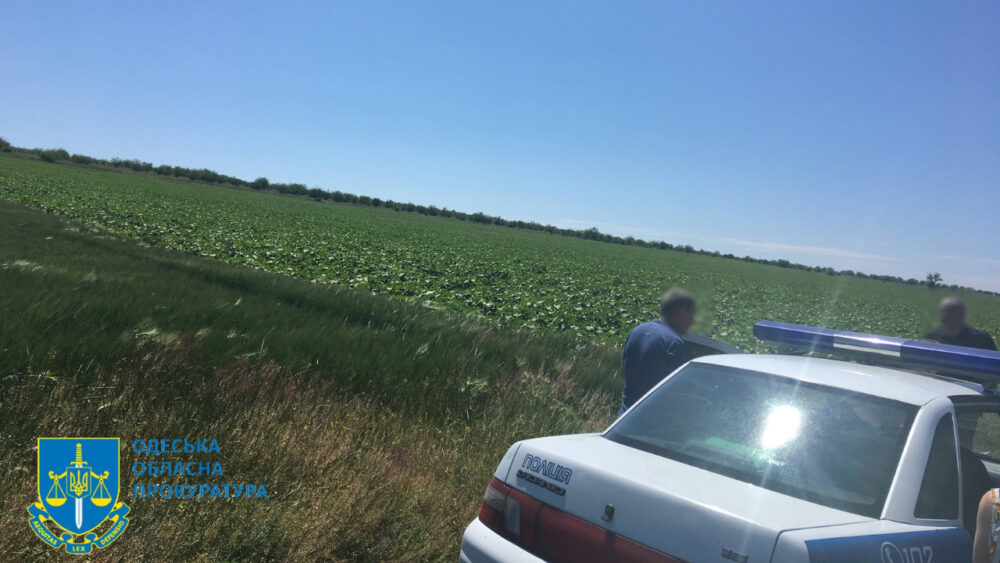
x=78, y=485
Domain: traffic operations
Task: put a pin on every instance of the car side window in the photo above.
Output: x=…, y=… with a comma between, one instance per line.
x=938, y=499
x=979, y=431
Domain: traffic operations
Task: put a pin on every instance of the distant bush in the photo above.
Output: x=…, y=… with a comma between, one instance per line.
x=293, y=189
x=260, y=184
x=52, y=155
x=137, y=165
x=4, y=145
x=81, y=159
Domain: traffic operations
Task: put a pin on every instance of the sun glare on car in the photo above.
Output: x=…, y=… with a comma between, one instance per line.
x=781, y=427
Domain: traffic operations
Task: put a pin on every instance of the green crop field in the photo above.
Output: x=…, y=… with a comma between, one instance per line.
x=375, y=420
x=375, y=424
x=594, y=291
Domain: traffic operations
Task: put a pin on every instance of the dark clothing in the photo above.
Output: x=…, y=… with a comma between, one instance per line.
x=652, y=351
x=969, y=337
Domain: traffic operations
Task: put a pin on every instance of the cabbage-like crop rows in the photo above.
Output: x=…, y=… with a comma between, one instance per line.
x=595, y=290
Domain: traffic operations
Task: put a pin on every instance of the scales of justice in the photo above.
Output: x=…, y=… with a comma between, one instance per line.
x=78, y=485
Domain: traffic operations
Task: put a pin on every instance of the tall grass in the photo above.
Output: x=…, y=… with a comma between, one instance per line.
x=374, y=424
x=349, y=478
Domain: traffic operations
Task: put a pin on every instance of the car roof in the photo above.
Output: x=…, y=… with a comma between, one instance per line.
x=900, y=385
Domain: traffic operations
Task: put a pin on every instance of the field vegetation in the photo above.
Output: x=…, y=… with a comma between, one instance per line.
x=369, y=366
x=522, y=279
x=374, y=423
x=319, y=194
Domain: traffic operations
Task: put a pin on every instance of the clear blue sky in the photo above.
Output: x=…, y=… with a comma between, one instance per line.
x=860, y=135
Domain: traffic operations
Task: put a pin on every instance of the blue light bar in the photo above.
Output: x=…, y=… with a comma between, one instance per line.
x=982, y=366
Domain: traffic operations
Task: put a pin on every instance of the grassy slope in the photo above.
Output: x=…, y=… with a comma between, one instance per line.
x=386, y=409
x=520, y=278
x=374, y=423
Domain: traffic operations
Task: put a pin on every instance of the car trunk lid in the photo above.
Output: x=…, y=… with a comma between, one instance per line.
x=676, y=509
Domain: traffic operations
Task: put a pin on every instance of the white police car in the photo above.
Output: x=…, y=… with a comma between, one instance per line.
x=765, y=458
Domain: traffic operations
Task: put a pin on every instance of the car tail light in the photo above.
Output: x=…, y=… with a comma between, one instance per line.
x=555, y=535
x=508, y=512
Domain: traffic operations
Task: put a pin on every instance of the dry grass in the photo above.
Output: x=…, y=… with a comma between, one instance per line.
x=348, y=479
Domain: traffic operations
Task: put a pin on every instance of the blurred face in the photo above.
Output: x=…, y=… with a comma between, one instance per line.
x=952, y=318
x=681, y=320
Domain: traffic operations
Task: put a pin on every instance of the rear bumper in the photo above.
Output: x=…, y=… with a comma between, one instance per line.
x=481, y=544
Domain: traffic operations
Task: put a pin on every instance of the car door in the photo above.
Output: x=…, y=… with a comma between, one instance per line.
x=978, y=421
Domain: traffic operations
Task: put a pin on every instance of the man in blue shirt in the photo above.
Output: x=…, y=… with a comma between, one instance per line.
x=653, y=350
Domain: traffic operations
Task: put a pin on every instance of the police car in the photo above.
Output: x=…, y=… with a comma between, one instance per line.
x=766, y=458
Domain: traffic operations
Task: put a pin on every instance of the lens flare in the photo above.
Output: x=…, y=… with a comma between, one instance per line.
x=781, y=427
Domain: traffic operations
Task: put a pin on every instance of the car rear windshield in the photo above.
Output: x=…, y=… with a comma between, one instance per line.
x=817, y=443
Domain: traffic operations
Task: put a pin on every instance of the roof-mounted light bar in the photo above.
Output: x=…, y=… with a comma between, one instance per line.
x=982, y=366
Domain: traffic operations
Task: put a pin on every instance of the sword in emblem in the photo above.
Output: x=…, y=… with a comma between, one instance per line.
x=80, y=485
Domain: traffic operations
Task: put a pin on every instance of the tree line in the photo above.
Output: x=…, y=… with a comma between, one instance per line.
x=318, y=194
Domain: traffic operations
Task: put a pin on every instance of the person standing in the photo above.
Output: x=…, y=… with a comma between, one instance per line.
x=655, y=349
x=953, y=329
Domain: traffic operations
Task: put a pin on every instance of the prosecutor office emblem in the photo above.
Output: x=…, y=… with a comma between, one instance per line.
x=78, y=482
